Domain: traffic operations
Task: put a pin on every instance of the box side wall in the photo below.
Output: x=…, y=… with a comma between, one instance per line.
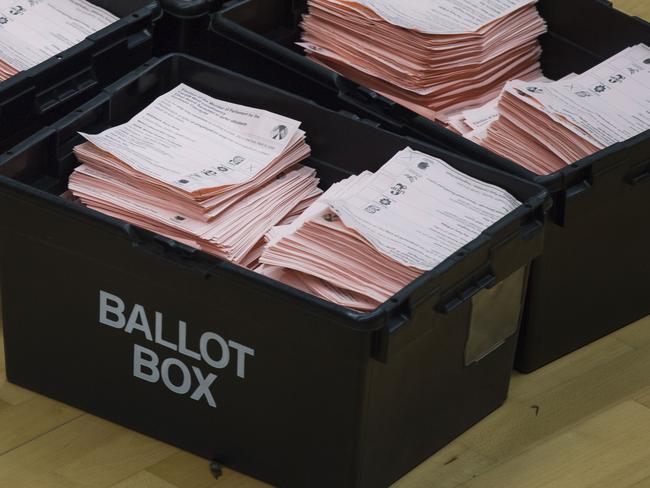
x=592, y=278
x=426, y=397
x=295, y=401
x=435, y=386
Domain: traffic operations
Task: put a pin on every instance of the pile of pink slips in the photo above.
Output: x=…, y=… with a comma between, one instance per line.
x=545, y=126
x=436, y=57
x=213, y=175
x=369, y=236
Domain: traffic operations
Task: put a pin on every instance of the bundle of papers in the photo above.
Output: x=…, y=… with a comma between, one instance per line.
x=545, y=126
x=35, y=30
x=436, y=57
x=369, y=236
x=471, y=122
x=210, y=174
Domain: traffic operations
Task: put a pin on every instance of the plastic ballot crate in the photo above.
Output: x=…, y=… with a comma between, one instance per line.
x=40, y=95
x=591, y=279
x=231, y=365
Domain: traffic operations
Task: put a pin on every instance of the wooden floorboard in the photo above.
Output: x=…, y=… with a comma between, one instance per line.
x=582, y=422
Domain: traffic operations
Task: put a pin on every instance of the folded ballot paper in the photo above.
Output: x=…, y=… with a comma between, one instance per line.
x=436, y=57
x=32, y=31
x=370, y=235
x=211, y=174
x=545, y=126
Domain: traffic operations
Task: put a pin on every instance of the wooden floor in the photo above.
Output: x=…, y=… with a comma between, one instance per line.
x=640, y=8
x=583, y=422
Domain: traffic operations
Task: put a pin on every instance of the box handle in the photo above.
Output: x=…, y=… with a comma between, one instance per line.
x=578, y=189
x=639, y=177
x=152, y=243
x=370, y=104
x=74, y=86
x=465, y=295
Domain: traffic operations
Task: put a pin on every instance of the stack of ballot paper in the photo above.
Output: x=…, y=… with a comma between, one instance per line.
x=369, y=236
x=436, y=57
x=32, y=31
x=211, y=174
x=471, y=122
x=545, y=126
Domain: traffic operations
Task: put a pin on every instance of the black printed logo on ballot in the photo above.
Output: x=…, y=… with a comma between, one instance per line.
x=173, y=372
x=279, y=132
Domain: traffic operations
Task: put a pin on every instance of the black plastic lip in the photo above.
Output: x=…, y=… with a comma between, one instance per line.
x=364, y=321
x=188, y=8
x=151, y=11
x=556, y=181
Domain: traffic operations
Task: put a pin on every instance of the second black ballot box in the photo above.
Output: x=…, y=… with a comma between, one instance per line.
x=592, y=278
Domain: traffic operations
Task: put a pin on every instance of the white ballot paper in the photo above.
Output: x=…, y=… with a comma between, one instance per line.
x=32, y=31
x=217, y=144
x=419, y=210
x=442, y=16
x=608, y=104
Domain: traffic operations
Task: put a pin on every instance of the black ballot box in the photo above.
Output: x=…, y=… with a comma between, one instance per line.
x=228, y=364
x=591, y=279
x=34, y=98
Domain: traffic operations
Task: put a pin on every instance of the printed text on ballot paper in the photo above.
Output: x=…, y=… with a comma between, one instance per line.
x=172, y=372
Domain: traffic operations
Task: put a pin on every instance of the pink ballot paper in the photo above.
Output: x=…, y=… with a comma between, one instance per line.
x=370, y=235
x=213, y=175
x=32, y=31
x=436, y=57
x=546, y=126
